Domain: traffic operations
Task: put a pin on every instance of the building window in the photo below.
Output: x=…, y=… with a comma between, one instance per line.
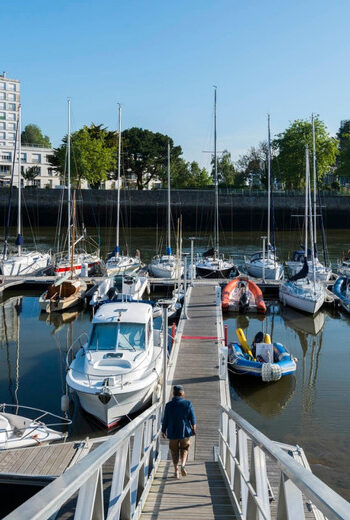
x=48, y=158
x=2, y=126
x=2, y=143
x=50, y=172
x=10, y=117
x=2, y=95
x=6, y=156
x=2, y=85
x=11, y=136
x=2, y=135
x=12, y=86
x=2, y=105
x=4, y=169
x=2, y=115
x=11, y=126
x=10, y=106
x=36, y=158
x=36, y=183
x=11, y=97
x=23, y=157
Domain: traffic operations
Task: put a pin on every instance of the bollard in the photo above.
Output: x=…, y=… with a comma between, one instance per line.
x=173, y=332
x=225, y=331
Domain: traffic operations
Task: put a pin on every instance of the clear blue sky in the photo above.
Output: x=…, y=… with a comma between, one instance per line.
x=160, y=58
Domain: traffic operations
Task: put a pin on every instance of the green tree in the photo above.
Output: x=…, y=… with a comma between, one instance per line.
x=226, y=169
x=93, y=155
x=32, y=135
x=31, y=173
x=145, y=155
x=252, y=165
x=290, y=146
x=343, y=160
x=189, y=175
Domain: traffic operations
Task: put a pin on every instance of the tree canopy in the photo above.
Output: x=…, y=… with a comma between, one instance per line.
x=93, y=155
x=226, y=169
x=188, y=175
x=343, y=160
x=290, y=147
x=31, y=173
x=32, y=135
x=145, y=155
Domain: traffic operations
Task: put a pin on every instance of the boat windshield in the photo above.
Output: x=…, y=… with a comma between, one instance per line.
x=117, y=336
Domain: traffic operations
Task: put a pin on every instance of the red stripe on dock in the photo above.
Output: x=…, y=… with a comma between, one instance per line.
x=200, y=337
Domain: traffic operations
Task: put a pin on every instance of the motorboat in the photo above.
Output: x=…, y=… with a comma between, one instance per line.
x=17, y=431
x=265, y=360
x=322, y=273
x=130, y=288
x=341, y=288
x=119, y=369
x=344, y=266
x=264, y=265
x=242, y=295
x=63, y=294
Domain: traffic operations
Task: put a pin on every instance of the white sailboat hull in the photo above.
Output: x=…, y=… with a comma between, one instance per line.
x=322, y=273
x=166, y=267
x=64, y=266
x=306, y=303
x=273, y=271
x=30, y=262
x=118, y=265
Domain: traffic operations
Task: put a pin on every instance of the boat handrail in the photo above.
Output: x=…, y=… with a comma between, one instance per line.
x=247, y=480
x=64, y=421
x=70, y=350
x=138, y=442
x=91, y=378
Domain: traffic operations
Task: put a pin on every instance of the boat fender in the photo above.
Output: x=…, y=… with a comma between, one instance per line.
x=270, y=372
x=156, y=393
x=64, y=403
x=243, y=342
x=267, y=339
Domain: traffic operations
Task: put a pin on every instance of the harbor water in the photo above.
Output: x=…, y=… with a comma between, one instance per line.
x=310, y=409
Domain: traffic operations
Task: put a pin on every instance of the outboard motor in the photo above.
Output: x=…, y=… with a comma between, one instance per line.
x=243, y=304
x=112, y=293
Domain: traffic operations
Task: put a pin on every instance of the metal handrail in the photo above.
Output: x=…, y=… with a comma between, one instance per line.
x=325, y=499
x=70, y=350
x=86, y=477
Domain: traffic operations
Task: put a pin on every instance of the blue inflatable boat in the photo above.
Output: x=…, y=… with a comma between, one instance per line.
x=272, y=361
x=341, y=288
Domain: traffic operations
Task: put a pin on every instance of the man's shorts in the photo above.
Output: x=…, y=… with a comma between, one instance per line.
x=176, y=445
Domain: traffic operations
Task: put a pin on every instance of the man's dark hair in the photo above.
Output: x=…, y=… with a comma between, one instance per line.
x=178, y=389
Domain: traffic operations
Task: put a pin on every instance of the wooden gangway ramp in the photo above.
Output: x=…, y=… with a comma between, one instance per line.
x=201, y=495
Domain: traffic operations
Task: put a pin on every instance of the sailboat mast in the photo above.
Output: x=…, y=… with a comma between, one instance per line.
x=168, y=248
x=314, y=175
x=310, y=217
x=306, y=198
x=69, y=183
x=268, y=185
x=117, y=248
x=19, y=216
x=216, y=220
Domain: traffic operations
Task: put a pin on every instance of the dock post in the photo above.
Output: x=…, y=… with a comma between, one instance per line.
x=185, y=286
x=192, y=260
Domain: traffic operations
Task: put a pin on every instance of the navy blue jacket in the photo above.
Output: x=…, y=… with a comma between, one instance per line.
x=178, y=418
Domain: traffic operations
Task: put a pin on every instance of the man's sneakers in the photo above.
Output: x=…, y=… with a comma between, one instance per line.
x=183, y=471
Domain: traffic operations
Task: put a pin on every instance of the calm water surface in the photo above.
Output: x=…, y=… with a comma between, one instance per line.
x=310, y=409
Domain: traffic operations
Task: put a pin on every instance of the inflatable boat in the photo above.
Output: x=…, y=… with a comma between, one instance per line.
x=341, y=288
x=266, y=360
x=242, y=295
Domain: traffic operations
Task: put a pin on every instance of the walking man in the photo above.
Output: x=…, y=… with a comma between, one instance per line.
x=179, y=424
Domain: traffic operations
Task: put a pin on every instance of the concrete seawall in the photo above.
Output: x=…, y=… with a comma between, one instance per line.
x=242, y=211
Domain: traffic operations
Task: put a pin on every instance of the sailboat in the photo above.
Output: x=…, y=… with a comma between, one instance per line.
x=116, y=263
x=323, y=273
x=261, y=265
x=168, y=265
x=212, y=265
x=25, y=262
x=83, y=261
x=299, y=292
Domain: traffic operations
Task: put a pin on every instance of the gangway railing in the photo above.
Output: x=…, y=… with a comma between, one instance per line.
x=136, y=448
x=242, y=458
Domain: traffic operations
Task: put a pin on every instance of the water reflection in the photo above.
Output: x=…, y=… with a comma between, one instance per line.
x=58, y=319
x=9, y=339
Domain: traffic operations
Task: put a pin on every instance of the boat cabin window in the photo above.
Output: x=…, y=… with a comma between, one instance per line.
x=117, y=336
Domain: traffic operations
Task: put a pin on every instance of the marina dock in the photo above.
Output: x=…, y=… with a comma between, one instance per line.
x=233, y=469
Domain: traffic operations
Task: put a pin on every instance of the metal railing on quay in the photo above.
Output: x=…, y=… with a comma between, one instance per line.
x=137, y=454
x=247, y=479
